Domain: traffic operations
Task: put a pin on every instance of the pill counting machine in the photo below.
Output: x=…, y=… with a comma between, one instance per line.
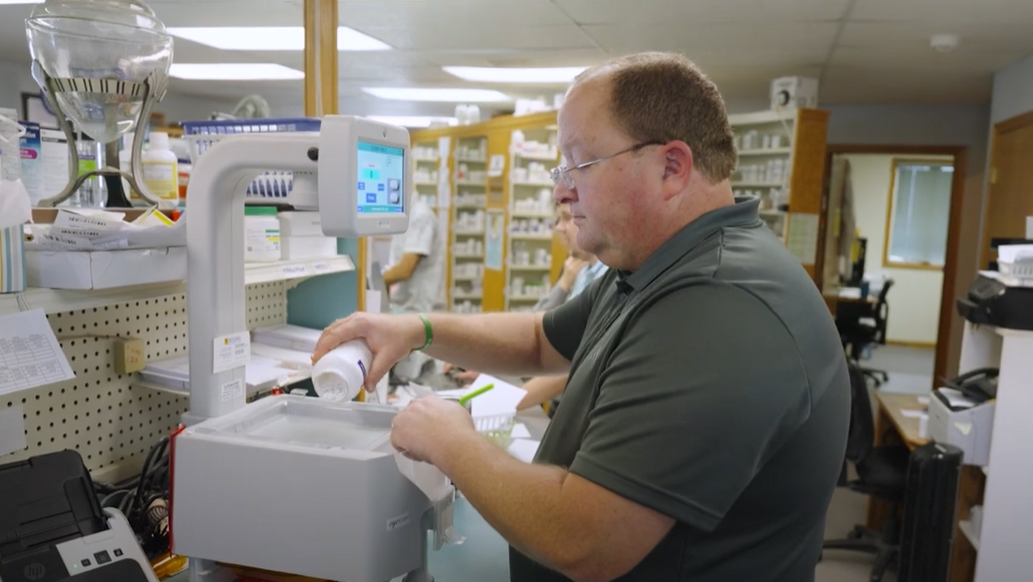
x=293, y=484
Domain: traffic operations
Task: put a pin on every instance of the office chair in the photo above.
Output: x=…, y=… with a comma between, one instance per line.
x=863, y=324
x=881, y=473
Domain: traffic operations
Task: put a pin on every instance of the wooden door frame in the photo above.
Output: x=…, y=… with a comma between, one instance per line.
x=1011, y=124
x=950, y=267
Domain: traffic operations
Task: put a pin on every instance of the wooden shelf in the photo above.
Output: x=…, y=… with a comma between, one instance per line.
x=537, y=157
x=463, y=297
x=517, y=214
x=530, y=267
x=766, y=152
x=424, y=183
x=762, y=117
x=533, y=184
x=426, y=160
x=530, y=236
x=758, y=185
x=468, y=257
x=469, y=232
x=471, y=160
x=969, y=529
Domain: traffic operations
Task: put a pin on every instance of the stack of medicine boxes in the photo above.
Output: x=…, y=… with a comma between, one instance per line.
x=301, y=237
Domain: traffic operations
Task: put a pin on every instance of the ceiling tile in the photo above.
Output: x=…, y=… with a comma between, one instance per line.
x=227, y=13
x=814, y=38
x=945, y=12
x=414, y=15
x=846, y=85
x=496, y=35
x=701, y=11
x=916, y=35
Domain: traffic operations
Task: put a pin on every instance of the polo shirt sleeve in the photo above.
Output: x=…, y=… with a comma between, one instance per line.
x=565, y=325
x=419, y=238
x=704, y=387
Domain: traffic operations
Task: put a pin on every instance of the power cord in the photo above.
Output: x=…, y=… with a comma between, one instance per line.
x=144, y=500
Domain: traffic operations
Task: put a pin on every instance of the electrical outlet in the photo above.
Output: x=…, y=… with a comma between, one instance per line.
x=130, y=355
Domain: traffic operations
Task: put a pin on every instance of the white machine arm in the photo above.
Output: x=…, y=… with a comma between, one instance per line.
x=215, y=254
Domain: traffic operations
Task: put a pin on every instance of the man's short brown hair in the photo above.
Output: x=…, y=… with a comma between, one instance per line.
x=664, y=97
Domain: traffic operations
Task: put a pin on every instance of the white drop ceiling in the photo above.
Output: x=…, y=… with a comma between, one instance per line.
x=864, y=51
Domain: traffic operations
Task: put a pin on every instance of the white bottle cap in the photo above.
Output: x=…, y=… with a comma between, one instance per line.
x=159, y=140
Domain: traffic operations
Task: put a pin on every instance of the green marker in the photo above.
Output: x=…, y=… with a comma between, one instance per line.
x=475, y=394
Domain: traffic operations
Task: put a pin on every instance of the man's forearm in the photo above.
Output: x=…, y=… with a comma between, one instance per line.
x=523, y=502
x=499, y=343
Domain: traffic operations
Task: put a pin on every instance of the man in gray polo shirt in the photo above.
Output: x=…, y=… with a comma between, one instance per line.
x=704, y=423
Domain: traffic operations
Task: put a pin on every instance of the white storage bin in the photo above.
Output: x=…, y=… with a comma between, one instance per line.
x=297, y=248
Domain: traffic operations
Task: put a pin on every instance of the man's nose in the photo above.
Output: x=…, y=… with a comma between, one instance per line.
x=563, y=195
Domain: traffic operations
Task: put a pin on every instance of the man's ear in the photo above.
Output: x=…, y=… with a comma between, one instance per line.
x=678, y=166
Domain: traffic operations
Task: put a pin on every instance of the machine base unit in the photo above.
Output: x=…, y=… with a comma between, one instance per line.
x=930, y=501
x=303, y=486
x=52, y=528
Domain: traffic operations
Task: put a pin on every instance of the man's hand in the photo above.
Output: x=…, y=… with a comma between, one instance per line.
x=389, y=337
x=461, y=376
x=571, y=267
x=424, y=428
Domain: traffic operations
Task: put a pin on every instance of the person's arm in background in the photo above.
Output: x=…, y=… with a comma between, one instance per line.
x=541, y=390
x=403, y=270
x=561, y=291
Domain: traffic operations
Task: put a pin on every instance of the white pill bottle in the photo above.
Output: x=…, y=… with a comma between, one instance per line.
x=341, y=373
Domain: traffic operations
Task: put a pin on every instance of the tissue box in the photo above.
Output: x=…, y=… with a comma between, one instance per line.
x=12, y=260
x=105, y=269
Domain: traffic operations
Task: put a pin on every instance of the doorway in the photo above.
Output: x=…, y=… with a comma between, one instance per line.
x=1011, y=172
x=891, y=220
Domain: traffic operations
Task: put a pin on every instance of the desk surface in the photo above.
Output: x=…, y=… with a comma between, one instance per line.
x=892, y=404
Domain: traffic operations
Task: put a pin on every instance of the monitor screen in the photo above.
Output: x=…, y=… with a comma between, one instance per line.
x=381, y=179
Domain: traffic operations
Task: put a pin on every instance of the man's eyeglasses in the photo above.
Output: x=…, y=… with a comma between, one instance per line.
x=561, y=174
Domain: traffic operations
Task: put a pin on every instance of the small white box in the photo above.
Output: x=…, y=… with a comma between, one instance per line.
x=105, y=269
x=299, y=224
x=969, y=429
x=794, y=93
x=296, y=248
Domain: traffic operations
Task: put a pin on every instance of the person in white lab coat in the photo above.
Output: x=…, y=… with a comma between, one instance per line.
x=415, y=276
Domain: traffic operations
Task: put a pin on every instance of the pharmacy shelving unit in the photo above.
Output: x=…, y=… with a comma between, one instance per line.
x=469, y=202
x=529, y=253
x=781, y=162
x=428, y=167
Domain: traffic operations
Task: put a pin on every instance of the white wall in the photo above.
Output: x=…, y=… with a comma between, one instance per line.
x=914, y=299
x=1013, y=91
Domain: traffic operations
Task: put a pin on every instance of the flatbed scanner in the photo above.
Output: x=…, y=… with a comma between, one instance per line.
x=52, y=528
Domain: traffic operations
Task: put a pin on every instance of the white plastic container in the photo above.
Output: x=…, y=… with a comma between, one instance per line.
x=300, y=248
x=340, y=374
x=261, y=235
x=159, y=168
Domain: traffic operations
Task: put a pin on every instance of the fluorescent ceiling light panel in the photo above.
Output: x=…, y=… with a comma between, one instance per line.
x=438, y=95
x=413, y=120
x=235, y=72
x=516, y=75
x=21, y=2
x=271, y=38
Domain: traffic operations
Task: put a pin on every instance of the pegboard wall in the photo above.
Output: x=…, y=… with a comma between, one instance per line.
x=100, y=413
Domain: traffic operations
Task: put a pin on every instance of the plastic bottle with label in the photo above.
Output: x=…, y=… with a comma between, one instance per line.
x=261, y=235
x=340, y=374
x=159, y=167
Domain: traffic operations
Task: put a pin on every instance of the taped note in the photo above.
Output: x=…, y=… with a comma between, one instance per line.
x=232, y=389
x=231, y=351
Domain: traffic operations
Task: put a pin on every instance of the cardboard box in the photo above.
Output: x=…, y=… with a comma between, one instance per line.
x=105, y=269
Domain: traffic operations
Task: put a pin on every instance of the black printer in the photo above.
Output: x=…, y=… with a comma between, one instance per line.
x=991, y=302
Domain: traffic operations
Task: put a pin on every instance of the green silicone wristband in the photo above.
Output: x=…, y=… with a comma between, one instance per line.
x=428, y=332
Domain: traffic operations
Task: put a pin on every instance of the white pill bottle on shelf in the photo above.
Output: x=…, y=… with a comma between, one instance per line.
x=340, y=374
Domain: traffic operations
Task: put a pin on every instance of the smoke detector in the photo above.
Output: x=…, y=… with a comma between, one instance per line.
x=944, y=43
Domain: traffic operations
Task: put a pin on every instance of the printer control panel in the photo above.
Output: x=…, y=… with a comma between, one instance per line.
x=102, y=549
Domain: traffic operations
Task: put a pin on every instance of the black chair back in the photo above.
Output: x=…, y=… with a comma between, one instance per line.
x=882, y=312
x=861, y=435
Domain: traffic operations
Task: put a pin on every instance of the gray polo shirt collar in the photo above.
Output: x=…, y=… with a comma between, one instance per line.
x=743, y=213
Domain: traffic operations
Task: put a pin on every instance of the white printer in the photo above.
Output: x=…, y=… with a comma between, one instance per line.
x=964, y=418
